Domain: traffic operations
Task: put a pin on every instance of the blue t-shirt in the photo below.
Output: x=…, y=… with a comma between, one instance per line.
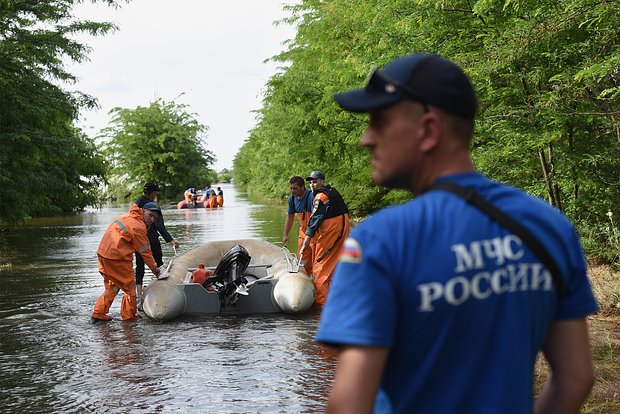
x=299, y=206
x=462, y=304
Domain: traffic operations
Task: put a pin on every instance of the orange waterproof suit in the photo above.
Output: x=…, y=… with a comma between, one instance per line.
x=126, y=235
x=220, y=199
x=214, y=202
x=304, y=218
x=329, y=227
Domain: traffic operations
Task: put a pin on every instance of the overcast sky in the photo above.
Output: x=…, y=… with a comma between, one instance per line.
x=210, y=50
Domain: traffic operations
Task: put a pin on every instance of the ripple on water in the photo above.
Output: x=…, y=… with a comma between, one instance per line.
x=52, y=360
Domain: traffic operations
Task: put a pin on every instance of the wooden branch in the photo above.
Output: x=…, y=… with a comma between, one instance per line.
x=545, y=170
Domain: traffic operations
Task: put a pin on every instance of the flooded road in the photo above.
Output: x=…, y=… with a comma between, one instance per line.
x=52, y=360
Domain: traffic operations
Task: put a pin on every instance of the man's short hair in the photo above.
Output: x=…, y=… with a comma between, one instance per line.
x=297, y=180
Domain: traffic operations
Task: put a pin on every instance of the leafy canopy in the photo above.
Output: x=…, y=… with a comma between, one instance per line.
x=46, y=164
x=162, y=143
x=547, y=77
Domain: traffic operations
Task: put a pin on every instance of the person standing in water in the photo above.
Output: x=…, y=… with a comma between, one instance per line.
x=300, y=205
x=154, y=231
x=328, y=227
x=126, y=235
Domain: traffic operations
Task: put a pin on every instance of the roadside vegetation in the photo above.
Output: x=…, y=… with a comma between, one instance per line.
x=47, y=164
x=605, y=340
x=162, y=143
x=547, y=77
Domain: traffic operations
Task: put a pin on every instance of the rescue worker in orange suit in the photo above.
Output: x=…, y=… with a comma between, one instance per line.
x=206, y=199
x=213, y=198
x=328, y=228
x=126, y=235
x=299, y=204
x=220, y=197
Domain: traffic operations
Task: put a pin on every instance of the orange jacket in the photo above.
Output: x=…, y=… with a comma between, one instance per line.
x=126, y=235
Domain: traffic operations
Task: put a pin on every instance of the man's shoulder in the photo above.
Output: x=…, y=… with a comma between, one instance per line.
x=328, y=189
x=142, y=201
x=320, y=195
x=390, y=216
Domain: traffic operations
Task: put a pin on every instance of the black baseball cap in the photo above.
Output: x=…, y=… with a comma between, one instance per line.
x=315, y=175
x=428, y=79
x=150, y=187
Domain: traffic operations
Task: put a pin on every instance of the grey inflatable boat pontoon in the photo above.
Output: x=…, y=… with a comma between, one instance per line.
x=249, y=276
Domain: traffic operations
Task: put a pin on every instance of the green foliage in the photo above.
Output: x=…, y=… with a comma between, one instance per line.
x=225, y=176
x=46, y=164
x=162, y=143
x=546, y=73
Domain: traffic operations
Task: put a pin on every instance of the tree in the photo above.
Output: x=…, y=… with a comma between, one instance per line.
x=224, y=176
x=162, y=143
x=46, y=164
x=546, y=73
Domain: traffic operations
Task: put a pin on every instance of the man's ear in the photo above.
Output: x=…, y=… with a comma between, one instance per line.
x=430, y=131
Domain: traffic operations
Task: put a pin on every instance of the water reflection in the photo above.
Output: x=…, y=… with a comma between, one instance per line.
x=53, y=360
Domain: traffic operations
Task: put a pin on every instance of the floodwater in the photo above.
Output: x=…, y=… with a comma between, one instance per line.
x=52, y=360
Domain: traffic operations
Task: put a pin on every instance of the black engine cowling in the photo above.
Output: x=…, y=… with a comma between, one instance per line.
x=227, y=276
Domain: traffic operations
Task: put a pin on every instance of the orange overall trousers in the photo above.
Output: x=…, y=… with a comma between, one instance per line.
x=328, y=242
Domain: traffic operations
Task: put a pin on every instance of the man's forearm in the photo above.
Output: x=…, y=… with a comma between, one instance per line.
x=288, y=224
x=558, y=398
x=357, y=379
x=567, y=350
x=305, y=244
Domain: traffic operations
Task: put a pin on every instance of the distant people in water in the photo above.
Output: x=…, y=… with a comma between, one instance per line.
x=220, y=197
x=209, y=199
x=190, y=196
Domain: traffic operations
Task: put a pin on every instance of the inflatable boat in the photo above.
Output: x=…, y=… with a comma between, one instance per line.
x=202, y=202
x=245, y=276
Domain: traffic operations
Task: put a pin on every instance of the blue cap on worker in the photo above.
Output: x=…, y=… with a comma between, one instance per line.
x=151, y=205
x=427, y=79
x=315, y=175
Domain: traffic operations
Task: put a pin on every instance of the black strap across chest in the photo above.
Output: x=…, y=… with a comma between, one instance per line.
x=476, y=200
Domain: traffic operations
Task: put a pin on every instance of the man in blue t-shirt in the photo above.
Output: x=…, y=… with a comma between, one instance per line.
x=299, y=204
x=436, y=307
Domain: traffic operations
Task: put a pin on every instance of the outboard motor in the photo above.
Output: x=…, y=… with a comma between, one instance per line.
x=227, y=278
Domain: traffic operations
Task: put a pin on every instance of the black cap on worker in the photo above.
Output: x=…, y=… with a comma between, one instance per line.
x=428, y=79
x=150, y=187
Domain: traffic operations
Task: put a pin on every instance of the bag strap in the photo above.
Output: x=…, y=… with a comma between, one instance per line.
x=475, y=199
